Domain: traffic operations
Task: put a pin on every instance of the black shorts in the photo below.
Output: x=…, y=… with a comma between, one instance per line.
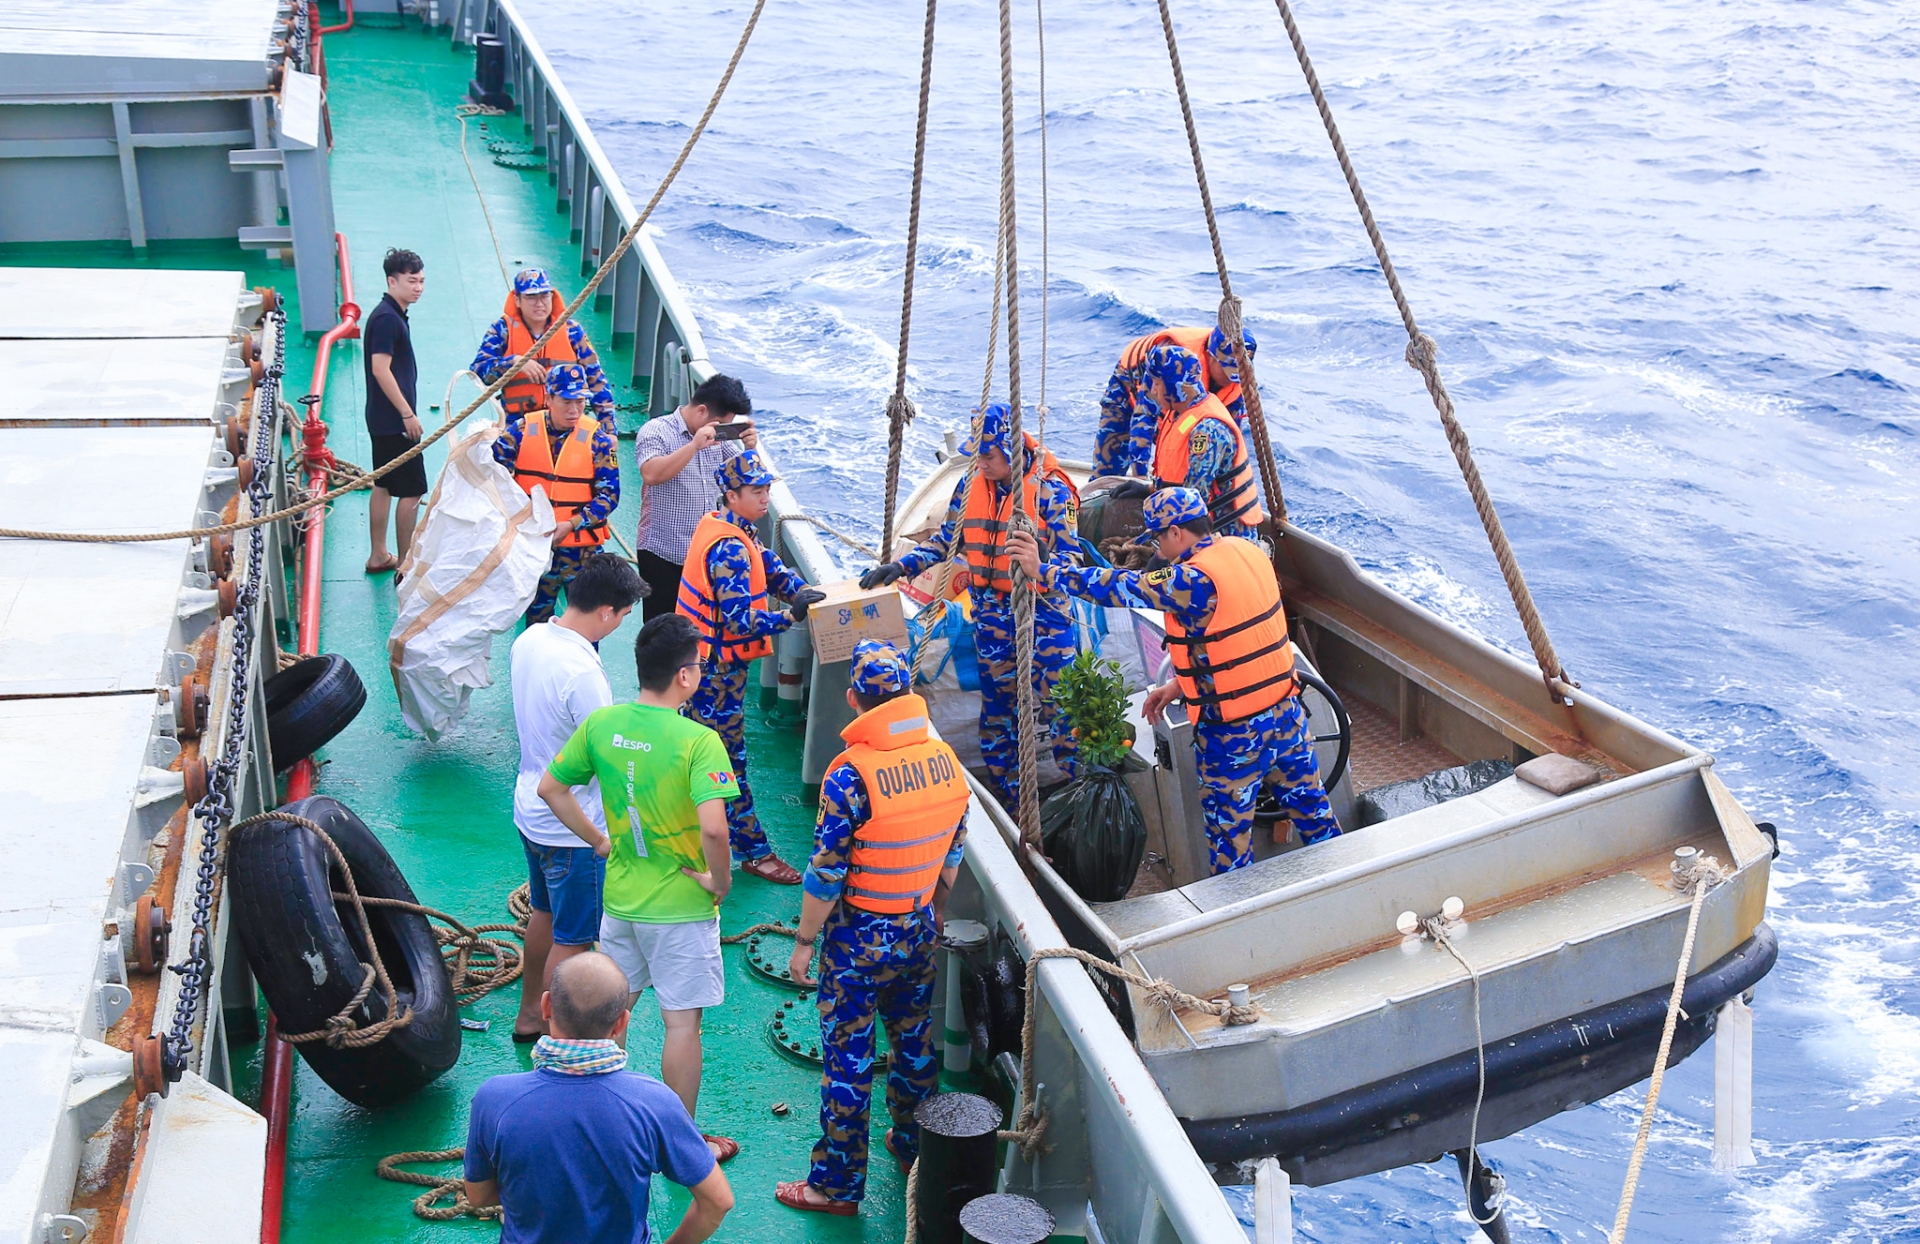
x=408, y=480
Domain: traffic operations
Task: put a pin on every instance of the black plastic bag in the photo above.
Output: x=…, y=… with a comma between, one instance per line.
x=1093, y=834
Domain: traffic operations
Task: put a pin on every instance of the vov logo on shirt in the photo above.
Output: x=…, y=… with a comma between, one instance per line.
x=632, y=745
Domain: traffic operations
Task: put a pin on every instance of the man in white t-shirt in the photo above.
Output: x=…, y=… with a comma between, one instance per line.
x=557, y=682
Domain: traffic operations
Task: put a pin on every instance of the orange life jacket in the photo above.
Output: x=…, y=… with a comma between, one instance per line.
x=917, y=794
x=984, y=520
x=699, y=602
x=1231, y=498
x=568, y=481
x=523, y=393
x=1193, y=340
x=1244, y=661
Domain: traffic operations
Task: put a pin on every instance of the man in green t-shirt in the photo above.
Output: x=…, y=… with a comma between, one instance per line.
x=664, y=783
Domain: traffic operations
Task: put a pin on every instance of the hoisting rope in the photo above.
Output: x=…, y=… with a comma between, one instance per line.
x=1424, y=356
x=900, y=410
x=560, y=318
x=1028, y=728
x=1701, y=876
x=1230, y=322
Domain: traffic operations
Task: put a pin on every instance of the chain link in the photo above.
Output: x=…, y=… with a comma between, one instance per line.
x=215, y=811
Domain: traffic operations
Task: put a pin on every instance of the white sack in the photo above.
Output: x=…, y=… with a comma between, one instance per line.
x=475, y=563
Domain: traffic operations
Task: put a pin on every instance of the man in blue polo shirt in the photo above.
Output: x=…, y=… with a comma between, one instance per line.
x=569, y=1149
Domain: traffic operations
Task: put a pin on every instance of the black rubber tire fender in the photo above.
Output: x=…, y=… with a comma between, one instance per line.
x=308, y=704
x=306, y=950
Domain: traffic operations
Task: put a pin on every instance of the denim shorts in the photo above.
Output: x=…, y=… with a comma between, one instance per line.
x=565, y=883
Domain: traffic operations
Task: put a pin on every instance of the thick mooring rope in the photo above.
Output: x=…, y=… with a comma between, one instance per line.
x=1229, y=317
x=1028, y=811
x=1424, y=356
x=900, y=410
x=560, y=318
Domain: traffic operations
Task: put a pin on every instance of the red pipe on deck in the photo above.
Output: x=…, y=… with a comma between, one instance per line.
x=276, y=1081
x=346, y=25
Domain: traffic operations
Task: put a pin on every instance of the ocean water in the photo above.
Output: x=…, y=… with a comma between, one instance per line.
x=1669, y=253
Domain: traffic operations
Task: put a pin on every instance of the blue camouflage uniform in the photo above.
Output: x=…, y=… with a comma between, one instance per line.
x=1123, y=443
x=721, y=701
x=493, y=355
x=869, y=963
x=1233, y=758
x=566, y=380
x=1210, y=448
x=1053, y=636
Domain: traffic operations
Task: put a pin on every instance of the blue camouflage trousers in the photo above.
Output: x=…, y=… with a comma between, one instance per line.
x=1053, y=651
x=560, y=572
x=1236, y=758
x=721, y=704
x=872, y=965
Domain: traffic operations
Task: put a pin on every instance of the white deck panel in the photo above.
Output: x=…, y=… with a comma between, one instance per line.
x=115, y=380
x=46, y=303
x=206, y=1166
x=93, y=617
x=100, y=48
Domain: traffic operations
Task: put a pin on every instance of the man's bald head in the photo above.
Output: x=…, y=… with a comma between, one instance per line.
x=588, y=994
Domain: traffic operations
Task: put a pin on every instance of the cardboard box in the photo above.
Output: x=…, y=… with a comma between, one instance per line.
x=849, y=615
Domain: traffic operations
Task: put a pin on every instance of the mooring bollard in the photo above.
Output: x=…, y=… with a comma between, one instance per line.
x=956, y=1161
x=1004, y=1218
x=959, y=937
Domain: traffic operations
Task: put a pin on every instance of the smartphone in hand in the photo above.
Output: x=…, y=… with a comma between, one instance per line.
x=730, y=431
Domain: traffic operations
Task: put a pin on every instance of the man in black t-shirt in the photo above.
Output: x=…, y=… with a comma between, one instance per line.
x=392, y=421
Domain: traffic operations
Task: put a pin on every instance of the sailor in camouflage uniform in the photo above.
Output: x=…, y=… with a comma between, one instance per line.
x=1197, y=442
x=533, y=302
x=887, y=848
x=572, y=456
x=724, y=590
x=1123, y=443
x=978, y=517
x=1233, y=661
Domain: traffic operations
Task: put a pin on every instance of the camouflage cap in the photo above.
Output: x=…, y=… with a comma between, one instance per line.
x=1170, y=507
x=566, y=380
x=993, y=431
x=743, y=470
x=1177, y=368
x=1223, y=353
x=879, y=668
x=532, y=281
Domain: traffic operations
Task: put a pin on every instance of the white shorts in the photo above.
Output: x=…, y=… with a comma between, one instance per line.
x=681, y=961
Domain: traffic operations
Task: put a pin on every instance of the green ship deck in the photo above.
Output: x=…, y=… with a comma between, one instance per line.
x=443, y=810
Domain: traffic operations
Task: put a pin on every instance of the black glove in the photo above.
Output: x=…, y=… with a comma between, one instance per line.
x=1132, y=490
x=802, y=600
x=882, y=575
x=1156, y=562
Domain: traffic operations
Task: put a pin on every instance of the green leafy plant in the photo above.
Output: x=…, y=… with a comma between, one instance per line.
x=1092, y=696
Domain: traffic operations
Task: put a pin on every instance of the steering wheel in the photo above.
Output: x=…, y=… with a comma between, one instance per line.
x=1312, y=682
x=1309, y=682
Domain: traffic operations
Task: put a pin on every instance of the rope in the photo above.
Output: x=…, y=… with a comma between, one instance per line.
x=463, y=111
x=1424, y=356
x=560, y=318
x=426, y=1205
x=899, y=410
x=852, y=542
x=1229, y=316
x=1028, y=716
x=1031, y=1124
x=1046, y=246
x=1436, y=928
x=1704, y=874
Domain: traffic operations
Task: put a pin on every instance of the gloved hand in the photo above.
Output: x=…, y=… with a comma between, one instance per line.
x=882, y=575
x=1156, y=562
x=804, y=599
x=1132, y=490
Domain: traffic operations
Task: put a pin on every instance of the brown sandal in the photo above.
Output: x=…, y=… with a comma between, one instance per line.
x=793, y=1195
x=727, y=1146
x=906, y=1167
x=772, y=868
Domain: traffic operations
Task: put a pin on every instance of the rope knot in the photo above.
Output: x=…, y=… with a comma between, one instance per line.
x=900, y=409
x=1423, y=355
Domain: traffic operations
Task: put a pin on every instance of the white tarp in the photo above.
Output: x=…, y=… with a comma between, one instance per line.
x=470, y=575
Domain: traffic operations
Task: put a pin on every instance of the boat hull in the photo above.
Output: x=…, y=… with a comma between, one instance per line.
x=1428, y=1112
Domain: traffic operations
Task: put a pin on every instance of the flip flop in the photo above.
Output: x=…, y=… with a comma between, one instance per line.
x=772, y=868
x=793, y=1195
x=906, y=1167
x=729, y=1148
